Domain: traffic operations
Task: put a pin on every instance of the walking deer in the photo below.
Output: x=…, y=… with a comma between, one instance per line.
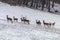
x=48, y=24
x=24, y=20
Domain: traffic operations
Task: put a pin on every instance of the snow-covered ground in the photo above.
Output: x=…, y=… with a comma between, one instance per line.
x=20, y=31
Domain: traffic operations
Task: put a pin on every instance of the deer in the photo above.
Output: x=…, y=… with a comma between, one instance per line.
x=9, y=19
x=53, y=24
x=38, y=22
x=15, y=19
x=24, y=20
x=48, y=24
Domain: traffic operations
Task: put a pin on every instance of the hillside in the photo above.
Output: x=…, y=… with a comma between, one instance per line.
x=20, y=31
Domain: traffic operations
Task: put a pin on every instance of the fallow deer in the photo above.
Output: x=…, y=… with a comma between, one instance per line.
x=38, y=22
x=15, y=19
x=24, y=20
x=9, y=19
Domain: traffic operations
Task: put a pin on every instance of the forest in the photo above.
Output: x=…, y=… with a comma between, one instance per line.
x=33, y=3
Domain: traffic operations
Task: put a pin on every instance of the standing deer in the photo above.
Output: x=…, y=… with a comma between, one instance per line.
x=38, y=22
x=15, y=19
x=9, y=19
x=53, y=24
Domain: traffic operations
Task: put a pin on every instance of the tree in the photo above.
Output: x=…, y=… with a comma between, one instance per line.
x=37, y=3
x=52, y=3
x=31, y=3
x=26, y=2
x=43, y=3
x=20, y=2
x=23, y=2
x=49, y=6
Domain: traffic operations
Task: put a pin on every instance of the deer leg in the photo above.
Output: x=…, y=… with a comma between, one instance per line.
x=14, y=20
x=17, y=20
x=24, y=22
x=28, y=22
x=44, y=25
x=11, y=21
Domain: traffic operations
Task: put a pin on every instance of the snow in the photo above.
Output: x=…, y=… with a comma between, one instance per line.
x=20, y=31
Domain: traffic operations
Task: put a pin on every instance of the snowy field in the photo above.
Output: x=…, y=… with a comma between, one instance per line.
x=20, y=31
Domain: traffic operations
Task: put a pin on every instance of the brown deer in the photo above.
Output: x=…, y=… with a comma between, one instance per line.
x=38, y=22
x=53, y=24
x=15, y=19
x=24, y=20
x=48, y=24
x=9, y=19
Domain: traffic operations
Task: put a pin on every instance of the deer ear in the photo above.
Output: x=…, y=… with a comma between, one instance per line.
x=7, y=15
x=36, y=20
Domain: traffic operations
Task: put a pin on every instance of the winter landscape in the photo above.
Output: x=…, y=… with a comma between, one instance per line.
x=20, y=31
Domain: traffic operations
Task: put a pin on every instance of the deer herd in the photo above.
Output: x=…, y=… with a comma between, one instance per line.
x=25, y=20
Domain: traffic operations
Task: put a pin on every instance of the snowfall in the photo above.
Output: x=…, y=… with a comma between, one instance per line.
x=20, y=31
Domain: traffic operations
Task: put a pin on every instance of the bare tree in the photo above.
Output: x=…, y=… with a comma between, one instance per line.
x=49, y=6
x=31, y=3
x=43, y=3
x=52, y=3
